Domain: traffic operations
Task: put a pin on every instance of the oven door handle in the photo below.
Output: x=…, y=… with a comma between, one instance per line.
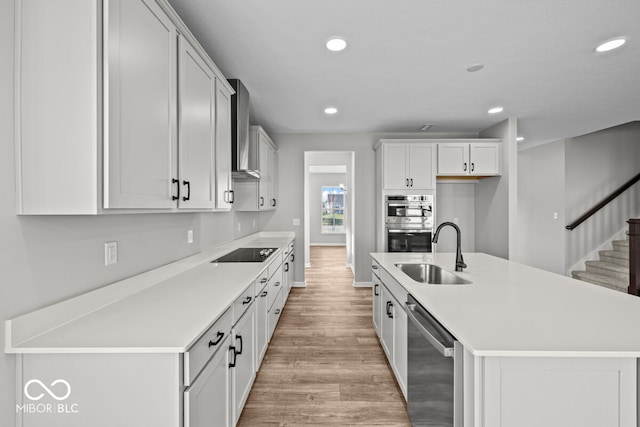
x=441, y=347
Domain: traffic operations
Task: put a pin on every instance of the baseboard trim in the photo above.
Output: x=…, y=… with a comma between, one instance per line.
x=362, y=284
x=299, y=284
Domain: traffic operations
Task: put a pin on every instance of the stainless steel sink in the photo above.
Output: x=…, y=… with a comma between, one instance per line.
x=431, y=274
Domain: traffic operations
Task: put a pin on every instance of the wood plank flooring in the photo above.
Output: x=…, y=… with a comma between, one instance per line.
x=324, y=365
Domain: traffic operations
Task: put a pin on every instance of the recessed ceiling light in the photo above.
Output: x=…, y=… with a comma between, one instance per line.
x=496, y=110
x=475, y=67
x=336, y=44
x=330, y=110
x=520, y=138
x=610, y=45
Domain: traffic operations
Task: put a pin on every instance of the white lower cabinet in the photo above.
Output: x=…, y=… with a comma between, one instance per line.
x=274, y=312
x=390, y=322
x=262, y=324
x=207, y=402
x=243, y=367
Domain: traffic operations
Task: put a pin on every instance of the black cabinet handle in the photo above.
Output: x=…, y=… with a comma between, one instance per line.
x=233, y=196
x=188, y=184
x=247, y=300
x=273, y=202
x=177, y=196
x=375, y=267
x=292, y=257
x=375, y=290
x=407, y=184
x=473, y=166
x=277, y=311
x=277, y=284
x=264, y=294
x=217, y=341
x=263, y=280
x=261, y=201
x=286, y=266
x=411, y=182
x=389, y=305
x=465, y=166
x=232, y=349
x=239, y=337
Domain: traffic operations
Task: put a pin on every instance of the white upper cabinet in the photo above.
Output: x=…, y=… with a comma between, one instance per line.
x=408, y=166
x=140, y=105
x=224, y=192
x=127, y=121
x=469, y=158
x=259, y=194
x=196, y=112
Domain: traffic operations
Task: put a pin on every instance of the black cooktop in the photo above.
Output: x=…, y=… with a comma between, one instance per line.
x=247, y=255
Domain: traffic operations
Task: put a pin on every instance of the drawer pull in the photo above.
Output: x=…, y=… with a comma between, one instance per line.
x=217, y=341
x=264, y=280
x=239, y=337
x=277, y=311
x=264, y=294
x=375, y=290
x=247, y=300
x=232, y=349
x=277, y=284
x=375, y=267
x=286, y=266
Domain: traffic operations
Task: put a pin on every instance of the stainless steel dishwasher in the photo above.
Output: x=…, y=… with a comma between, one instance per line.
x=434, y=374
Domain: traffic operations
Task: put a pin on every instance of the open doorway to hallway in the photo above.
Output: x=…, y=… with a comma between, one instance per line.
x=329, y=204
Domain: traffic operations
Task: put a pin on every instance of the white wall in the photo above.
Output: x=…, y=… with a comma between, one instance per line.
x=316, y=182
x=596, y=165
x=496, y=198
x=45, y=260
x=456, y=201
x=541, y=192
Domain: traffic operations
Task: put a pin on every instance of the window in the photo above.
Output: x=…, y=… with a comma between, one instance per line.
x=332, y=210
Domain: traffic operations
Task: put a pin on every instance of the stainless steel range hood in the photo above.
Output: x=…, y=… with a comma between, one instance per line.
x=244, y=152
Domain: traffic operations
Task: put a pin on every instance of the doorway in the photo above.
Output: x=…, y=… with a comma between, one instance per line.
x=329, y=203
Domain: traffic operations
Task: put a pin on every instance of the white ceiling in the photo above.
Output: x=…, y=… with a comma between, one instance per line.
x=406, y=62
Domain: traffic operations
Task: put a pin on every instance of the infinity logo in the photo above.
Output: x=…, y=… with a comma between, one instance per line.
x=52, y=394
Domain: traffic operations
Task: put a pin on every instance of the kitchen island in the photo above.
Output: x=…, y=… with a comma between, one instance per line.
x=539, y=348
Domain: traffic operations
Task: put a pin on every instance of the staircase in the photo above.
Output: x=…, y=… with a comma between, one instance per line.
x=611, y=271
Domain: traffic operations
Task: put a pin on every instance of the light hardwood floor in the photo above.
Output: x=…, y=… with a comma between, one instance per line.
x=324, y=365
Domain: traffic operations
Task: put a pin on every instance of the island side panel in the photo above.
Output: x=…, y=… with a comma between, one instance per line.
x=79, y=390
x=560, y=392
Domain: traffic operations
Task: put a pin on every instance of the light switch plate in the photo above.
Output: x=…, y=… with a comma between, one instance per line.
x=110, y=253
x=190, y=236
x=296, y=221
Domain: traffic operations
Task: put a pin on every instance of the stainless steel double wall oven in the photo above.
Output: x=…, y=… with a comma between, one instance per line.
x=409, y=223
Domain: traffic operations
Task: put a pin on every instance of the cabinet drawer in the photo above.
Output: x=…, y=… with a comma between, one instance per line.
x=274, y=266
x=375, y=268
x=274, y=313
x=275, y=284
x=262, y=281
x=243, y=302
x=199, y=353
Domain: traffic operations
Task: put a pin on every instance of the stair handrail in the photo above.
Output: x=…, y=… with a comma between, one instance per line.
x=603, y=203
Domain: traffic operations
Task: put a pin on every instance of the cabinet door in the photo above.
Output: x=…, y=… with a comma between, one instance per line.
x=224, y=195
x=485, y=158
x=386, y=324
x=197, y=90
x=207, y=400
x=265, y=177
x=140, y=138
x=377, y=290
x=273, y=184
x=394, y=167
x=453, y=159
x=422, y=176
x=400, y=345
x=262, y=325
x=244, y=372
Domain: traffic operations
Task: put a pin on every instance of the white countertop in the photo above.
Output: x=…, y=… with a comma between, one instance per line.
x=512, y=309
x=164, y=310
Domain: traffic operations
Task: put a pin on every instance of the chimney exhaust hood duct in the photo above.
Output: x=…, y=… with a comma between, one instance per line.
x=244, y=152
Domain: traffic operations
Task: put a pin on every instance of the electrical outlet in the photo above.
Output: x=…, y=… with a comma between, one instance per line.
x=190, y=236
x=555, y=215
x=296, y=221
x=110, y=253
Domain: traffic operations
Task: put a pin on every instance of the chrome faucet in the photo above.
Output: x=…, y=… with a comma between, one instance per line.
x=459, y=260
